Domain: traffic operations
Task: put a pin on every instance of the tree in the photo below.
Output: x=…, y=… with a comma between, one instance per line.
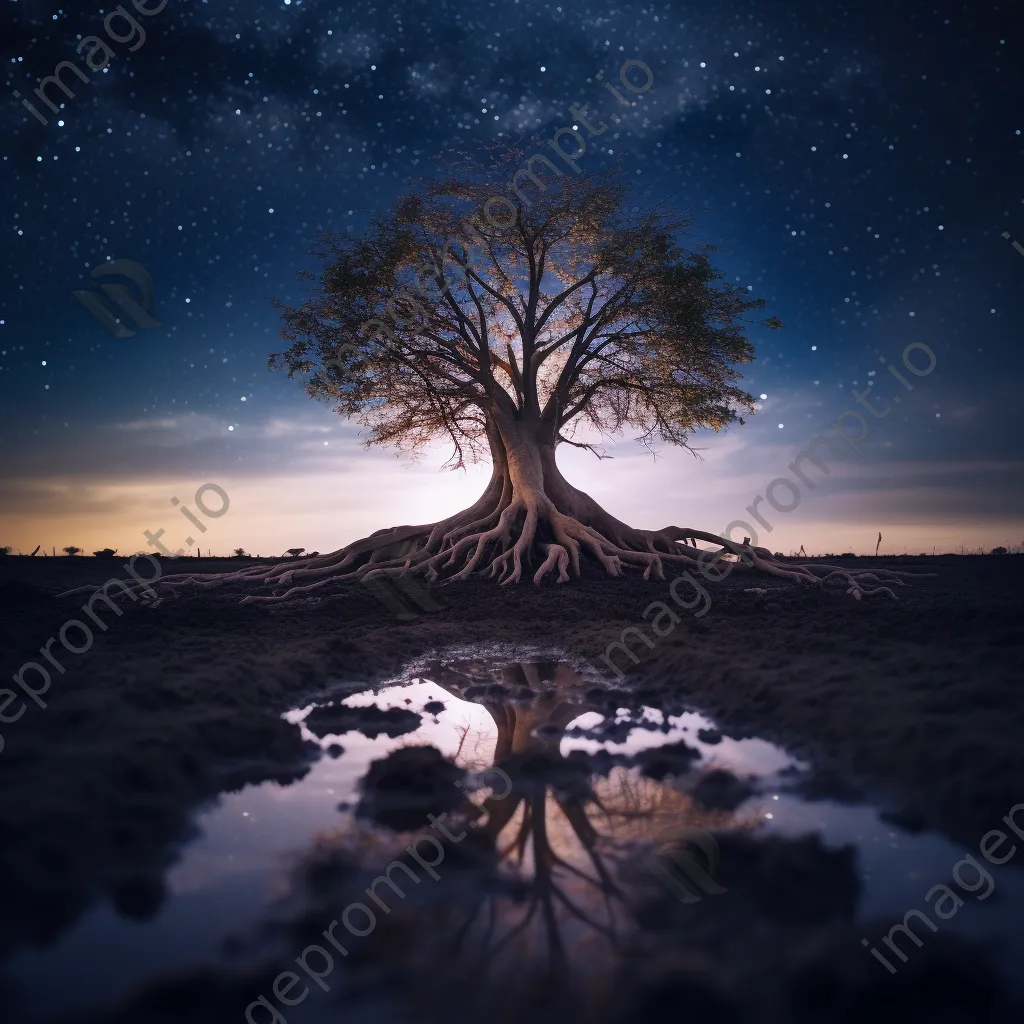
x=239, y=553
x=70, y=550
x=4, y=551
x=567, y=319
x=294, y=552
x=106, y=553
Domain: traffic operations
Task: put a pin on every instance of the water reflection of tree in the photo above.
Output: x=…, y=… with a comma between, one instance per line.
x=573, y=840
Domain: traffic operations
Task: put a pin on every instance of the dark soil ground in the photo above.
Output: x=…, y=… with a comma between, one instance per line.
x=915, y=705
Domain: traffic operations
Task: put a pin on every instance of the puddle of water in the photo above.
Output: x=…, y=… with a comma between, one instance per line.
x=240, y=866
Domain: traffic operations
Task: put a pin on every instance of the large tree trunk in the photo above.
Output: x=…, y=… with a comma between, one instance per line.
x=542, y=514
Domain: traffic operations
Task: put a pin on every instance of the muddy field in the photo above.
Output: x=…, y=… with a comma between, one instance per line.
x=913, y=706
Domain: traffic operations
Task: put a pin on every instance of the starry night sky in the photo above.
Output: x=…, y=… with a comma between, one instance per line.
x=857, y=164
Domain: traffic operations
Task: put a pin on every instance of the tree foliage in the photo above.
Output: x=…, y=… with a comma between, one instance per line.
x=568, y=305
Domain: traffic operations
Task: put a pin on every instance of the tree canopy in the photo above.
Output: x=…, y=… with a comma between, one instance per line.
x=571, y=308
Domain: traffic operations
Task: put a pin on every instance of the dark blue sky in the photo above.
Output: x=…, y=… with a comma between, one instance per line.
x=858, y=162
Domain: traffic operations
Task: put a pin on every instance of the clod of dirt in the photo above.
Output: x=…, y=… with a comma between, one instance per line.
x=337, y=719
x=672, y=759
x=400, y=790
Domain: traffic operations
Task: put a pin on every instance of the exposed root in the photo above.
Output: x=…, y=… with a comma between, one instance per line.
x=505, y=535
x=556, y=556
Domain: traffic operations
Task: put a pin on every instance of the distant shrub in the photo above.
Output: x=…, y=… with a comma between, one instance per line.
x=70, y=550
x=999, y=551
x=106, y=553
x=313, y=554
x=4, y=552
x=847, y=554
x=240, y=553
x=779, y=554
x=294, y=552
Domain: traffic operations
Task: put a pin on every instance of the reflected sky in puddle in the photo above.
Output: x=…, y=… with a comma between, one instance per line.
x=250, y=841
x=742, y=757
